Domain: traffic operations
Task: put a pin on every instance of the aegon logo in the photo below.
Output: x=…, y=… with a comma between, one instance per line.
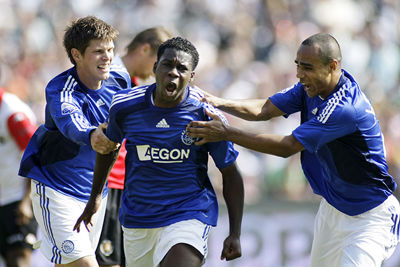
x=162, y=155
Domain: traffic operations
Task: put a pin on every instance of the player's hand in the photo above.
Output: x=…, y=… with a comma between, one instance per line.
x=232, y=248
x=208, y=131
x=209, y=98
x=99, y=141
x=87, y=214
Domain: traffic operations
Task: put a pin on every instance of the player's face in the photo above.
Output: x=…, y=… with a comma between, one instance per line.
x=313, y=74
x=94, y=64
x=173, y=73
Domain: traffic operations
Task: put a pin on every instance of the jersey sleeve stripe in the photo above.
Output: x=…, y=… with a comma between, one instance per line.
x=217, y=112
x=119, y=98
x=66, y=93
x=330, y=107
x=79, y=122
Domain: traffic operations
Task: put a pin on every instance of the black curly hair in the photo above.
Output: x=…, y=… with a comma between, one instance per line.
x=181, y=44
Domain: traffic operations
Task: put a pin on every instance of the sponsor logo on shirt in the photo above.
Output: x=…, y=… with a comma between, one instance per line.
x=161, y=155
x=162, y=124
x=100, y=103
x=67, y=108
x=314, y=111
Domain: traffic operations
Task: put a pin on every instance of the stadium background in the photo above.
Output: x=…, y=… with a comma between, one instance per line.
x=247, y=50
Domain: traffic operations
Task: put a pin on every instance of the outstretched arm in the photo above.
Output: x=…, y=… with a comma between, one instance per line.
x=104, y=164
x=247, y=109
x=233, y=194
x=216, y=130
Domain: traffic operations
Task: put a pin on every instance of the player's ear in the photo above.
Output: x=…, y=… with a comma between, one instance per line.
x=146, y=48
x=334, y=64
x=76, y=55
x=191, y=76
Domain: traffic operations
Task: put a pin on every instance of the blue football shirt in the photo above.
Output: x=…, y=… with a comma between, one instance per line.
x=59, y=154
x=166, y=174
x=344, y=160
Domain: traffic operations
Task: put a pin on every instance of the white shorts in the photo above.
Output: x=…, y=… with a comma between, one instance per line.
x=56, y=215
x=147, y=247
x=363, y=240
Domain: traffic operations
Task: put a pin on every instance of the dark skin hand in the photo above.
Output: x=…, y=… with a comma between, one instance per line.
x=232, y=248
x=210, y=131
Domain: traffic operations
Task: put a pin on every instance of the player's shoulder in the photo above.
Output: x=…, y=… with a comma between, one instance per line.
x=129, y=97
x=120, y=75
x=196, y=95
x=65, y=81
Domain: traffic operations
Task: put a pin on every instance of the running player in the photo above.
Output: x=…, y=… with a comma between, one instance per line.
x=168, y=204
x=61, y=155
x=138, y=62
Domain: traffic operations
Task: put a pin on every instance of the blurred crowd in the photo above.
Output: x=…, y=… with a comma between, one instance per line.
x=247, y=50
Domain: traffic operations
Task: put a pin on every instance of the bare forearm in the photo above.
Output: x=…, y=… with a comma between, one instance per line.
x=247, y=109
x=233, y=192
x=278, y=145
x=104, y=164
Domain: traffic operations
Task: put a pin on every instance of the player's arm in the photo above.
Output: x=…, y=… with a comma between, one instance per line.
x=216, y=130
x=233, y=193
x=248, y=109
x=103, y=166
x=66, y=110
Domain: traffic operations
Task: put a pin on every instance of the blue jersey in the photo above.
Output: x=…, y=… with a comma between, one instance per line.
x=60, y=154
x=344, y=160
x=166, y=174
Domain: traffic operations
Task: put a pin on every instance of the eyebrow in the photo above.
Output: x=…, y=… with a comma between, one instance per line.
x=304, y=64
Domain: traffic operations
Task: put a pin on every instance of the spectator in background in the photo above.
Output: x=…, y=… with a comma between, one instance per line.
x=60, y=156
x=17, y=225
x=138, y=62
x=342, y=154
x=168, y=204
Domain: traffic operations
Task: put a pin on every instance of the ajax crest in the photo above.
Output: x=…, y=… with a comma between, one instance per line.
x=187, y=140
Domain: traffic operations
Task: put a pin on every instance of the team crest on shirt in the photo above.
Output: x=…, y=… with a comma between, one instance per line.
x=187, y=140
x=67, y=108
x=106, y=247
x=67, y=246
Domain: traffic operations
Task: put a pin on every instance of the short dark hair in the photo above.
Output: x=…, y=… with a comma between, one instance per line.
x=181, y=44
x=328, y=46
x=153, y=36
x=81, y=31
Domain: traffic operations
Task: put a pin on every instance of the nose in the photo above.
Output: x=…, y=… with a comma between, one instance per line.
x=108, y=55
x=173, y=72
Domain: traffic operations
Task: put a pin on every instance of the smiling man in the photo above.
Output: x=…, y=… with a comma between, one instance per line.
x=168, y=203
x=60, y=156
x=342, y=154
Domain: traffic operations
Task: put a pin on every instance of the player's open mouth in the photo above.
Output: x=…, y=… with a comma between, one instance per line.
x=104, y=68
x=306, y=86
x=170, y=87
